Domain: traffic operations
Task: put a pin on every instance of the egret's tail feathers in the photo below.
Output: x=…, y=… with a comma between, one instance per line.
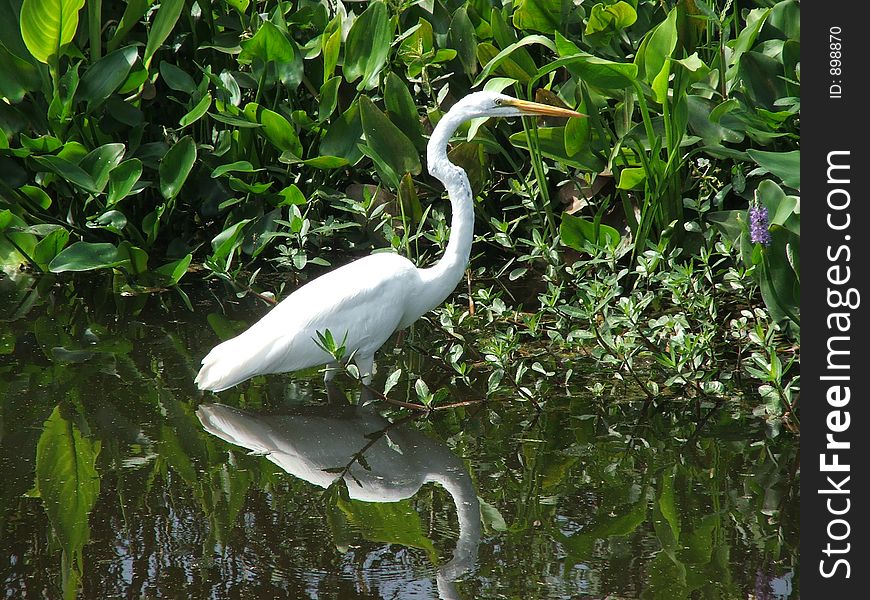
x=225, y=366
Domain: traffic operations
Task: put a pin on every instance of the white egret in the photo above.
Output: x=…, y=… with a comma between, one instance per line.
x=364, y=302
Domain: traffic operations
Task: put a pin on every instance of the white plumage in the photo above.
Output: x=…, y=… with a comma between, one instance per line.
x=363, y=303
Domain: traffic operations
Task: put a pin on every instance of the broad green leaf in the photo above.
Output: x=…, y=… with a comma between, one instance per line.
x=461, y=37
x=240, y=166
x=328, y=98
x=276, y=128
x=609, y=17
x=122, y=179
x=135, y=258
x=37, y=195
x=163, y=24
x=631, y=178
x=68, y=171
x=730, y=223
x=343, y=135
x=106, y=75
x=292, y=195
x=100, y=162
x=86, y=256
x=782, y=210
x=17, y=77
x=402, y=110
x=551, y=143
x=538, y=15
x=176, y=78
x=656, y=48
x=67, y=481
x=505, y=54
x=368, y=45
x=388, y=141
x=175, y=166
x=577, y=232
x=577, y=135
x=48, y=25
x=196, y=113
x=785, y=165
x=175, y=270
x=274, y=50
x=49, y=247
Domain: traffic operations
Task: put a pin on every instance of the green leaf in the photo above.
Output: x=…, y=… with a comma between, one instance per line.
x=506, y=53
x=402, y=110
x=106, y=75
x=161, y=27
x=176, y=78
x=240, y=166
x=551, y=143
x=461, y=37
x=631, y=178
x=328, y=98
x=100, y=162
x=86, y=256
x=134, y=12
x=388, y=141
x=175, y=166
x=576, y=233
x=17, y=77
x=122, y=179
x=68, y=171
x=37, y=195
x=276, y=128
x=343, y=135
x=538, y=15
x=785, y=165
x=656, y=48
x=67, y=481
x=609, y=17
x=48, y=25
x=368, y=45
x=274, y=50
x=175, y=270
x=50, y=246
x=196, y=113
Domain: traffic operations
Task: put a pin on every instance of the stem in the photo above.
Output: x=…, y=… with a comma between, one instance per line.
x=95, y=18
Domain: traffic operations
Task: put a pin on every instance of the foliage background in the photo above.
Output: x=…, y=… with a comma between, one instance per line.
x=145, y=146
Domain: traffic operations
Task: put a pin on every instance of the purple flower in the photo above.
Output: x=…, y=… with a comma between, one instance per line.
x=758, y=225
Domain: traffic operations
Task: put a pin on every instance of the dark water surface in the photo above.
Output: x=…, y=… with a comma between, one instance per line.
x=118, y=479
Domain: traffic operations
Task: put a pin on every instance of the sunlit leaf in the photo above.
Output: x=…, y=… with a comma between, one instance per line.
x=48, y=25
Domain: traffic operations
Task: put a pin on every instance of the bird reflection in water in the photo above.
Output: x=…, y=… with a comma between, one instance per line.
x=313, y=443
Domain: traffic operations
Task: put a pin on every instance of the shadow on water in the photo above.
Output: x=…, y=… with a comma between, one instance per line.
x=121, y=480
x=366, y=456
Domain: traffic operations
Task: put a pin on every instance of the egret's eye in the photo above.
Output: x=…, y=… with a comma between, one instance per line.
x=498, y=101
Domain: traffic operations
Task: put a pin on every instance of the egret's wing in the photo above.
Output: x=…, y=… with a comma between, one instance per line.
x=361, y=304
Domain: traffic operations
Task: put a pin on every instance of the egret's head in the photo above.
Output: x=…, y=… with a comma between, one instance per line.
x=492, y=104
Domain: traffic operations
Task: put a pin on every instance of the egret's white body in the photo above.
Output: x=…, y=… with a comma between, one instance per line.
x=364, y=302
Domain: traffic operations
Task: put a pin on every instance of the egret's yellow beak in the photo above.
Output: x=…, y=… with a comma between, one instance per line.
x=534, y=108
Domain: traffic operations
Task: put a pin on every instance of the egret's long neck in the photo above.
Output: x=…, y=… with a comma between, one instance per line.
x=441, y=279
